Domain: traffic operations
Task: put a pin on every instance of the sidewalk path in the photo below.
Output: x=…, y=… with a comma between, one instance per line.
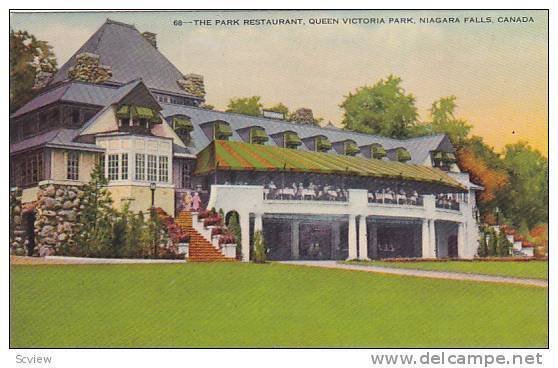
x=422, y=273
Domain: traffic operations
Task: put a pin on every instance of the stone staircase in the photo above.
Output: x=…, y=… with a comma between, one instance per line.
x=200, y=248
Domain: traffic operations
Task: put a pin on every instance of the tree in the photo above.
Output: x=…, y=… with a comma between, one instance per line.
x=526, y=197
x=444, y=121
x=485, y=168
x=492, y=242
x=95, y=236
x=234, y=227
x=483, y=246
x=28, y=58
x=304, y=116
x=383, y=109
x=246, y=105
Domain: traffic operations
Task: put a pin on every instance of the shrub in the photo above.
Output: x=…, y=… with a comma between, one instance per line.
x=503, y=244
x=259, y=247
x=227, y=238
x=212, y=221
x=234, y=228
x=483, y=246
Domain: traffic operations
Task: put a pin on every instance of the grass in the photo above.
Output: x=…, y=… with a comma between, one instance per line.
x=531, y=269
x=271, y=305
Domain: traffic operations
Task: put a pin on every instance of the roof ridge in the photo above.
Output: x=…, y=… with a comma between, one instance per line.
x=112, y=21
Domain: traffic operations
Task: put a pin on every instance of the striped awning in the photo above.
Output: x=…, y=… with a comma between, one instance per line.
x=240, y=156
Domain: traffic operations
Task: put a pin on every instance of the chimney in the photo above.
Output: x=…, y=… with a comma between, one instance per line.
x=42, y=79
x=192, y=84
x=151, y=38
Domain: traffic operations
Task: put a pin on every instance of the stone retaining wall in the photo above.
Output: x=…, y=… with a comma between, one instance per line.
x=58, y=207
x=17, y=232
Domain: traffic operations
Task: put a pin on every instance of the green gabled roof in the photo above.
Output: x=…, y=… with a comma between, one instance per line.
x=240, y=156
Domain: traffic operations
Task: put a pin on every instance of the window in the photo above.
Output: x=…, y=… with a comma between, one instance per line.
x=72, y=166
x=28, y=170
x=163, y=169
x=102, y=163
x=112, y=167
x=140, y=166
x=124, y=166
x=185, y=176
x=151, y=168
x=74, y=116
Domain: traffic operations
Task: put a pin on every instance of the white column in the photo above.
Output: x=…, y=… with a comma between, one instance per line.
x=461, y=251
x=432, y=238
x=352, y=237
x=427, y=246
x=258, y=222
x=362, y=238
x=294, y=239
x=245, y=234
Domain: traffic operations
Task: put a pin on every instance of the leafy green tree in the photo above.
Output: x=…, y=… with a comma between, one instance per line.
x=95, y=220
x=246, y=105
x=444, y=121
x=383, y=109
x=526, y=197
x=28, y=57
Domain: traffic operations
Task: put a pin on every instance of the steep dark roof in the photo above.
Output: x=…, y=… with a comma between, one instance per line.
x=122, y=47
x=62, y=138
x=418, y=147
x=91, y=94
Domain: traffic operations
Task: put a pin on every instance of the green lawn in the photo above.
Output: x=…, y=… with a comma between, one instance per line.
x=273, y=305
x=531, y=269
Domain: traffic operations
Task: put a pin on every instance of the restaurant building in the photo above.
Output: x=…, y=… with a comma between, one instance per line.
x=316, y=192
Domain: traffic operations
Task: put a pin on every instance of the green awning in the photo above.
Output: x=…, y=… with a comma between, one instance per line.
x=222, y=131
x=292, y=140
x=182, y=124
x=450, y=158
x=123, y=112
x=322, y=144
x=258, y=135
x=378, y=151
x=402, y=154
x=240, y=156
x=437, y=155
x=143, y=112
x=351, y=148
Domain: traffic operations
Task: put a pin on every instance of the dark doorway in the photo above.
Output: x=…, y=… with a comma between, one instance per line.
x=29, y=227
x=277, y=236
x=452, y=246
x=315, y=241
x=394, y=239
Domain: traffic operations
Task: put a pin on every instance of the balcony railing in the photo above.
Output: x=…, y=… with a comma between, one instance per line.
x=396, y=199
x=455, y=206
x=306, y=194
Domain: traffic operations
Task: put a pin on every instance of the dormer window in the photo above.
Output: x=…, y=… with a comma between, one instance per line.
x=402, y=155
x=351, y=148
x=258, y=135
x=137, y=118
x=443, y=159
x=377, y=151
x=182, y=125
x=221, y=130
x=322, y=144
x=291, y=140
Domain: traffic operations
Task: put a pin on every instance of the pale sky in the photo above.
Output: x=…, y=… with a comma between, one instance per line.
x=498, y=71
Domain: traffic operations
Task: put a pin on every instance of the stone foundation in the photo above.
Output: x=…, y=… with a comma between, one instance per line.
x=58, y=208
x=17, y=232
